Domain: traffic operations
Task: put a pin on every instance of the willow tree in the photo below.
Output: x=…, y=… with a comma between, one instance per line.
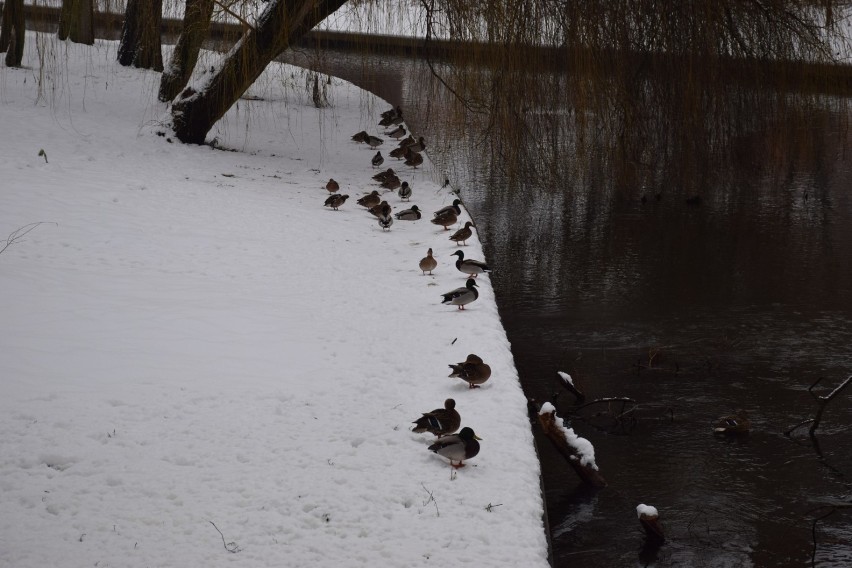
x=76, y=21
x=140, y=35
x=550, y=75
x=283, y=22
x=196, y=24
x=12, y=32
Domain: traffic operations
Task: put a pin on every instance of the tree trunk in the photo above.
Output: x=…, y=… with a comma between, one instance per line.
x=196, y=24
x=76, y=21
x=282, y=23
x=140, y=35
x=12, y=32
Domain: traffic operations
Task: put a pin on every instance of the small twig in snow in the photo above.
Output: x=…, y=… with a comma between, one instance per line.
x=229, y=546
x=431, y=499
x=19, y=233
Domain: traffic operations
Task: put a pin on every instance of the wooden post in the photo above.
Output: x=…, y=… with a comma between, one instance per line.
x=649, y=518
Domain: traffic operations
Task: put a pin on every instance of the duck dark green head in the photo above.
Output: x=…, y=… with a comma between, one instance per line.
x=467, y=433
x=459, y=254
x=471, y=283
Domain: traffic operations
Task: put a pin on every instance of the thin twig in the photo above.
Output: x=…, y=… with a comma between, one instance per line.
x=18, y=234
x=229, y=546
x=432, y=499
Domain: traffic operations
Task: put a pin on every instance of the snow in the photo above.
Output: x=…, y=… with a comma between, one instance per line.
x=643, y=510
x=584, y=448
x=203, y=366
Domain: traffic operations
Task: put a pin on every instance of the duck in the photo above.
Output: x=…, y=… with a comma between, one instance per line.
x=472, y=370
x=457, y=447
x=374, y=141
x=414, y=160
x=735, y=424
x=382, y=176
x=463, y=234
x=454, y=208
x=360, y=136
x=441, y=421
x=397, y=133
x=412, y=214
x=391, y=119
x=469, y=266
x=385, y=219
x=380, y=208
x=428, y=263
x=392, y=112
x=446, y=219
x=332, y=185
x=404, y=191
x=407, y=141
x=462, y=296
x=391, y=183
x=370, y=199
x=398, y=153
x=378, y=160
x=335, y=200
x=418, y=146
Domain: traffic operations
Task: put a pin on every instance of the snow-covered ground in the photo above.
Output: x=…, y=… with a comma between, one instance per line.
x=193, y=343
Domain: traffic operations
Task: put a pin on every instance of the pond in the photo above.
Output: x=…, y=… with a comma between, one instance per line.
x=692, y=309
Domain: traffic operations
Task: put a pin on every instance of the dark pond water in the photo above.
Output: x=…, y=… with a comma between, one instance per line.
x=743, y=301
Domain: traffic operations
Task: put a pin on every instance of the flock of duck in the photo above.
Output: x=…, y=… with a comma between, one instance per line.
x=441, y=422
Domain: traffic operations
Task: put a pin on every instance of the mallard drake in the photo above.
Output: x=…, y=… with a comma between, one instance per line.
x=441, y=421
x=332, y=185
x=382, y=176
x=370, y=199
x=733, y=425
x=462, y=296
x=380, y=208
x=428, y=263
x=391, y=183
x=469, y=266
x=418, y=146
x=404, y=191
x=457, y=447
x=360, y=136
x=472, y=370
x=397, y=133
x=374, y=141
x=412, y=214
x=378, y=160
x=446, y=219
x=463, y=234
x=385, y=218
x=454, y=208
x=335, y=200
x=414, y=160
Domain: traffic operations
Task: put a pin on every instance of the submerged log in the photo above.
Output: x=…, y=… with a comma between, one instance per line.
x=578, y=451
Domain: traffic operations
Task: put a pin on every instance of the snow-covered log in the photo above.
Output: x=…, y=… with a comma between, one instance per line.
x=578, y=451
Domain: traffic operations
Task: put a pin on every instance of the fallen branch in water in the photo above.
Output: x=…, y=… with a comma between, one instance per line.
x=823, y=403
x=578, y=451
x=833, y=509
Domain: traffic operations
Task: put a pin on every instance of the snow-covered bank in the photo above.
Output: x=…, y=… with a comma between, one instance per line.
x=194, y=344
